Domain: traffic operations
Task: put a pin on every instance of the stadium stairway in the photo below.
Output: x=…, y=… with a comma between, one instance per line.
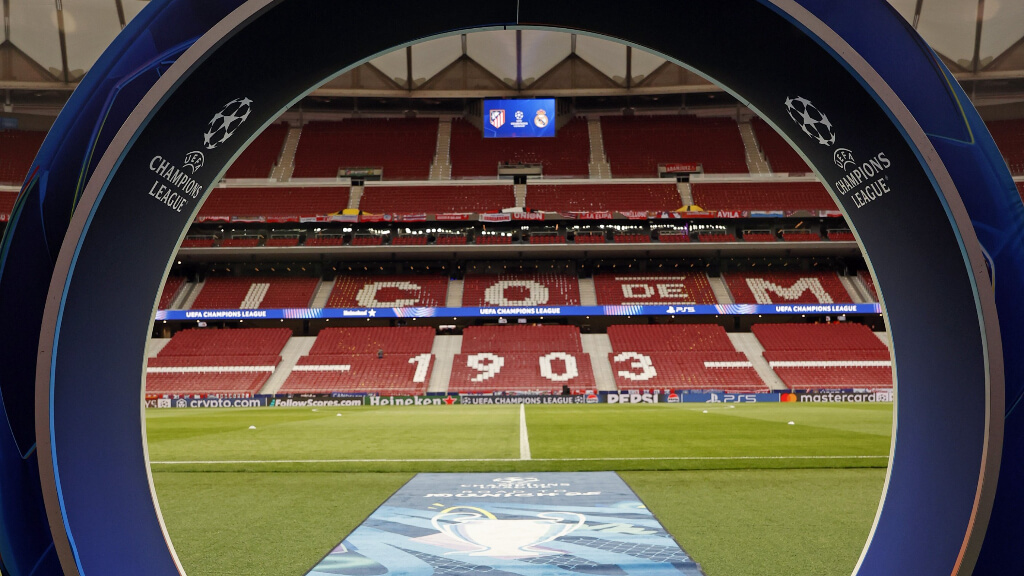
x=862, y=288
x=599, y=347
x=588, y=293
x=286, y=165
x=747, y=343
x=354, y=197
x=720, y=290
x=685, y=193
x=155, y=345
x=444, y=350
x=322, y=294
x=851, y=287
x=441, y=167
x=190, y=298
x=755, y=159
x=454, y=297
x=520, y=194
x=297, y=347
x=599, y=167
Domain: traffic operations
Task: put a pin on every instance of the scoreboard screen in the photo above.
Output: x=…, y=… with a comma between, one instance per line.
x=534, y=118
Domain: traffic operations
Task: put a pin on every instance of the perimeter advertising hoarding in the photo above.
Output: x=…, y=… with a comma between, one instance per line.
x=519, y=118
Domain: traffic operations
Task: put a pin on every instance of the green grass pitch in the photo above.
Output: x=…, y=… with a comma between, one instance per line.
x=742, y=490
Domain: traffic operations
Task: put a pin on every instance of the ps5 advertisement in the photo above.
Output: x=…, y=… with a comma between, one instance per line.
x=533, y=118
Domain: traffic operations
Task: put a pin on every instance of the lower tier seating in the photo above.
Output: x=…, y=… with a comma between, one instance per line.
x=394, y=374
x=669, y=338
x=210, y=382
x=825, y=356
x=724, y=371
x=368, y=340
x=547, y=372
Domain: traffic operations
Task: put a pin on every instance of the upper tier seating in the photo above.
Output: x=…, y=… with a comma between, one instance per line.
x=1020, y=190
x=786, y=287
x=762, y=196
x=520, y=290
x=626, y=289
x=1009, y=137
x=370, y=339
x=206, y=242
x=674, y=237
x=436, y=199
x=687, y=356
x=255, y=292
x=7, y=204
x=825, y=356
x=758, y=237
x=246, y=242
x=258, y=160
x=389, y=291
x=841, y=236
x=800, y=236
x=780, y=155
x=636, y=145
x=171, y=287
x=403, y=147
x=18, y=149
x=347, y=360
x=521, y=338
x=212, y=361
x=567, y=154
x=274, y=202
x=591, y=197
x=542, y=371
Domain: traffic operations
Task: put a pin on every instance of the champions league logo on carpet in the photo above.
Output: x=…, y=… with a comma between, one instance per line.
x=812, y=121
x=224, y=123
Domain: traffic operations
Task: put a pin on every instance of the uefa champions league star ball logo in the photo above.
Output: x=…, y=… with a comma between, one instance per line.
x=224, y=123
x=811, y=120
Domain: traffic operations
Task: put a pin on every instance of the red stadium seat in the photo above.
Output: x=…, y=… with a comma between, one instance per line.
x=327, y=147
x=567, y=154
x=762, y=196
x=636, y=145
x=255, y=292
x=826, y=356
x=780, y=155
x=600, y=197
x=259, y=158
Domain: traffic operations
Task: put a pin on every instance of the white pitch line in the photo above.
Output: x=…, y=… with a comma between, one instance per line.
x=524, y=436
x=609, y=459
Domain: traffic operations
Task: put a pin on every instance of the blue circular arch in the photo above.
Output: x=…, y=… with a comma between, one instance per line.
x=927, y=193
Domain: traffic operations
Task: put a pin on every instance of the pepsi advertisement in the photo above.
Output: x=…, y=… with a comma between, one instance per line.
x=533, y=118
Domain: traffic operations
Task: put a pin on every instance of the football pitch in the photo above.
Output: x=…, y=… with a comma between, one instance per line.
x=741, y=489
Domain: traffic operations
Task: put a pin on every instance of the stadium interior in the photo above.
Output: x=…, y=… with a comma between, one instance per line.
x=512, y=266
x=380, y=190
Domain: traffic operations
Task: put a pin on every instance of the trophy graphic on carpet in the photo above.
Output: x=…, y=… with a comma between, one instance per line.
x=504, y=538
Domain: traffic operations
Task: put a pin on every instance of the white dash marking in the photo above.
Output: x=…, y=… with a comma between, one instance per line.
x=524, y=436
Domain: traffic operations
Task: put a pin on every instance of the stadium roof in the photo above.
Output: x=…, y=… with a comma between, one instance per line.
x=49, y=45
